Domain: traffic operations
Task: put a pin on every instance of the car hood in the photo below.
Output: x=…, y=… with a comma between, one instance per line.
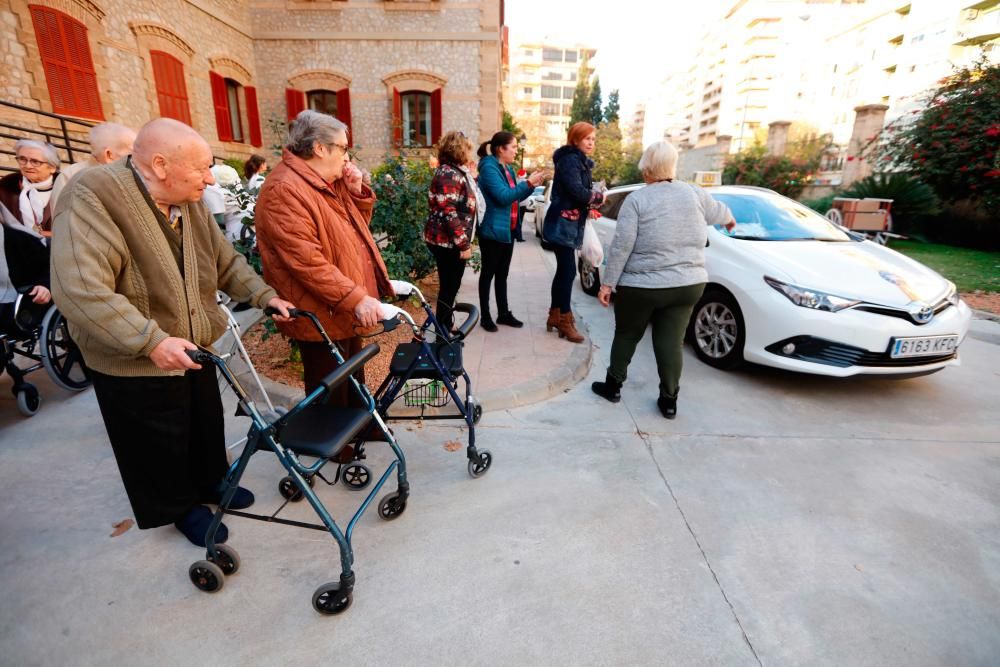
x=865, y=270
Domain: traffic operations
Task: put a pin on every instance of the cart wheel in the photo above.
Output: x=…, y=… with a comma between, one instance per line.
x=356, y=476
x=28, y=400
x=329, y=600
x=391, y=506
x=834, y=215
x=207, y=576
x=479, y=469
x=228, y=560
x=477, y=413
x=290, y=491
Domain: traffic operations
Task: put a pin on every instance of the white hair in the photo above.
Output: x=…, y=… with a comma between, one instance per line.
x=225, y=175
x=308, y=128
x=659, y=162
x=113, y=136
x=48, y=150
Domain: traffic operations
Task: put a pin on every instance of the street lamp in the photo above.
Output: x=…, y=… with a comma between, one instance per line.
x=522, y=141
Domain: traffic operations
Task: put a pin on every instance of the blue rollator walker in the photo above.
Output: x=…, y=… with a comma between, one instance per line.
x=426, y=371
x=312, y=429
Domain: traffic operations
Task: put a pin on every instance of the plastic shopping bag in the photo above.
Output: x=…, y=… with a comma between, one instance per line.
x=592, y=252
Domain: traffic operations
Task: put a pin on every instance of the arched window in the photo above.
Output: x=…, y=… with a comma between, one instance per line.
x=171, y=89
x=66, y=59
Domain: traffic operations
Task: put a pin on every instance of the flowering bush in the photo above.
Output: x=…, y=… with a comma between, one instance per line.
x=954, y=142
x=783, y=174
x=401, y=187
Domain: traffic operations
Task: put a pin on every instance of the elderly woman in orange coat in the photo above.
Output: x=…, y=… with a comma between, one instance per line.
x=312, y=219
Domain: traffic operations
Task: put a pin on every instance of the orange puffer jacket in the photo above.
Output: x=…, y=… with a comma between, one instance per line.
x=308, y=234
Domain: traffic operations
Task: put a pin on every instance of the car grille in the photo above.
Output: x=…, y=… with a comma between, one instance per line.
x=939, y=307
x=821, y=351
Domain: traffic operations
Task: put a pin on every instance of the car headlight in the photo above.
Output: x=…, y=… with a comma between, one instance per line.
x=952, y=297
x=810, y=298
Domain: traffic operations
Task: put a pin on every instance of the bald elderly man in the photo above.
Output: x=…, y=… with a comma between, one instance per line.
x=108, y=142
x=136, y=262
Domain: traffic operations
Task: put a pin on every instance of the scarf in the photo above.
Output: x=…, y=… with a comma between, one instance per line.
x=32, y=201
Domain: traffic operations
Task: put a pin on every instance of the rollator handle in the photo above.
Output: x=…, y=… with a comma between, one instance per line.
x=199, y=356
x=470, y=322
x=271, y=311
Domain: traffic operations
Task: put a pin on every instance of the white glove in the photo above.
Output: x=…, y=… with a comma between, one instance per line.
x=401, y=287
x=387, y=311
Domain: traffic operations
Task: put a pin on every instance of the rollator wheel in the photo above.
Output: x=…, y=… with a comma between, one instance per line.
x=207, y=576
x=356, y=476
x=28, y=400
x=329, y=600
x=228, y=560
x=477, y=413
x=479, y=469
x=290, y=491
x=391, y=506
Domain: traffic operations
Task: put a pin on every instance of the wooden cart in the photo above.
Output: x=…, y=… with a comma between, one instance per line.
x=868, y=216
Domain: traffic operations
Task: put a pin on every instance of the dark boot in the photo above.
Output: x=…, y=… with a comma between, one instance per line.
x=610, y=389
x=508, y=319
x=486, y=321
x=668, y=406
x=553, y=320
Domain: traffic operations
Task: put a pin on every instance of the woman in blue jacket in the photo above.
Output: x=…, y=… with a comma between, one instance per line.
x=496, y=243
x=569, y=206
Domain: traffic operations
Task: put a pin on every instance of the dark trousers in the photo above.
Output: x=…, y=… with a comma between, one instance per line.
x=668, y=310
x=518, y=234
x=168, y=436
x=450, y=269
x=562, y=283
x=496, y=265
x=317, y=363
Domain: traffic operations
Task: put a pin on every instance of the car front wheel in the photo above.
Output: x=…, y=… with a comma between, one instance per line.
x=717, y=330
x=590, y=278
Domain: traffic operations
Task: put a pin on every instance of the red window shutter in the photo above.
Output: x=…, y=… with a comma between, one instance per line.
x=397, y=119
x=171, y=90
x=221, y=103
x=435, y=116
x=69, y=68
x=295, y=101
x=344, y=112
x=253, y=116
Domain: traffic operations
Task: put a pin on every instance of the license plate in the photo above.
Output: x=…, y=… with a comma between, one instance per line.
x=929, y=346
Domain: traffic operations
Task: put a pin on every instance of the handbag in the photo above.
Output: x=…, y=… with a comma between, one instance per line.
x=591, y=251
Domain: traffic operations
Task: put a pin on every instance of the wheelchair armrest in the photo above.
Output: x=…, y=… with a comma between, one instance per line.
x=349, y=367
x=470, y=322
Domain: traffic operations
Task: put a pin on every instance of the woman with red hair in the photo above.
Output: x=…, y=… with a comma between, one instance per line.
x=571, y=200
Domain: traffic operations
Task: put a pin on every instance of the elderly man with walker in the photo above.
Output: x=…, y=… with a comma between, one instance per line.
x=136, y=264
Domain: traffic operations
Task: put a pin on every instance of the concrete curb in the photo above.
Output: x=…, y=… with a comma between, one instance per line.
x=984, y=315
x=557, y=381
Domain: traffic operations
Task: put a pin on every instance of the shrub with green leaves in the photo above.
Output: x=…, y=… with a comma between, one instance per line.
x=401, y=187
x=910, y=197
x=782, y=174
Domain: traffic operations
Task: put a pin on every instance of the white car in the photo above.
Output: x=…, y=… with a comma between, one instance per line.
x=788, y=288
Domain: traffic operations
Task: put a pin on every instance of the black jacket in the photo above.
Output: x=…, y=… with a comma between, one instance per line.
x=27, y=258
x=571, y=197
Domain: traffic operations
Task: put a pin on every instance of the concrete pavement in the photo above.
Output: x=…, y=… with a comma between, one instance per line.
x=780, y=520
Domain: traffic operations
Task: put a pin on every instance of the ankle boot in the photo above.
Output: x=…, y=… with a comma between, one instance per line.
x=486, y=323
x=610, y=389
x=509, y=319
x=668, y=406
x=553, y=321
x=567, y=328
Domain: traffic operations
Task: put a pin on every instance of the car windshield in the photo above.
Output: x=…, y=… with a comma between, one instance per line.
x=770, y=217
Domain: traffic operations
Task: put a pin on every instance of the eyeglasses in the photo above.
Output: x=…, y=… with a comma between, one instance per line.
x=28, y=162
x=343, y=148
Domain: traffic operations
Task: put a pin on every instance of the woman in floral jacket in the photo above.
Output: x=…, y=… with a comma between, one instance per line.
x=451, y=219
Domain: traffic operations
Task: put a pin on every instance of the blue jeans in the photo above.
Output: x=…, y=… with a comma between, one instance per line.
x=562, y=283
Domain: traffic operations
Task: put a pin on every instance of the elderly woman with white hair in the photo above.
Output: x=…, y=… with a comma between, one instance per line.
x=656, y=267
x=26, y=214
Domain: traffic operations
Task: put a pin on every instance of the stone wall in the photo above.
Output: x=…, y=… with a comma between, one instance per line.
x=263, y=43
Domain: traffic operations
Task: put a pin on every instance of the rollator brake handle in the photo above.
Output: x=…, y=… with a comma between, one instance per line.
x=271, y=311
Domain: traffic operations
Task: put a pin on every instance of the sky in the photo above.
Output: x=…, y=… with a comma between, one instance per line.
x=638, y=41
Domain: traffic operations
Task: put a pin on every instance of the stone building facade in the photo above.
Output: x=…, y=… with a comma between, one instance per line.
x=399, y=72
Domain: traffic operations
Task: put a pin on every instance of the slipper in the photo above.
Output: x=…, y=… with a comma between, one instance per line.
x=195, y=524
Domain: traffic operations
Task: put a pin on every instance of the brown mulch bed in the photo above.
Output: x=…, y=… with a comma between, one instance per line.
x=988, y=301
x=270, y=354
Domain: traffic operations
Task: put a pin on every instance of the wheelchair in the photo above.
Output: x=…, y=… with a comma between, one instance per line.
x=38, y=333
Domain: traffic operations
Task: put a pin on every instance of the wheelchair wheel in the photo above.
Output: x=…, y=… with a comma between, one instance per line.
x=290, y=491
x=28, y=400
x=60, y=355
x=477, y=413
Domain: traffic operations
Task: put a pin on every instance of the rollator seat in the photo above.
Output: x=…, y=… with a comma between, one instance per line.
x=323, y=430
x=449, y=356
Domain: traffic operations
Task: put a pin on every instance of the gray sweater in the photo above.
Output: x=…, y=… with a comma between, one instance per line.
x=660, y=238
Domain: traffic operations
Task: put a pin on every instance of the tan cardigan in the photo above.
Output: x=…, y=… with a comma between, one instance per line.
x=115, y=278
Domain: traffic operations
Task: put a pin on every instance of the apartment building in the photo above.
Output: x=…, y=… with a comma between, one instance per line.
x=398, y=72
x=541, y=80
